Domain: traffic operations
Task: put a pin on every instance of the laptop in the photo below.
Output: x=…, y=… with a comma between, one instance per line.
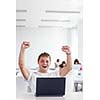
x=50, y=86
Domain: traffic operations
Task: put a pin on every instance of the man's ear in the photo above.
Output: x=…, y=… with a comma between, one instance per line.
x=50, y=62
x=38, y=62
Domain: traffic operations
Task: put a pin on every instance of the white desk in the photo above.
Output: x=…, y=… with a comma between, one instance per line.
x=21, y=92
x=71, y=96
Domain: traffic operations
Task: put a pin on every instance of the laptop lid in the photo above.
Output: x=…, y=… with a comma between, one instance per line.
x=53, y=86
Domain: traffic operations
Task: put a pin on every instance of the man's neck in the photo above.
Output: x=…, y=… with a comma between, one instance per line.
x=42, y=71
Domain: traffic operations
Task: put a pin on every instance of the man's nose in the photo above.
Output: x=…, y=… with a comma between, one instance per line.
x=45, y=62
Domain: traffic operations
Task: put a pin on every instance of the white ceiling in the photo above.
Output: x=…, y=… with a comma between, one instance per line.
x=48, y=13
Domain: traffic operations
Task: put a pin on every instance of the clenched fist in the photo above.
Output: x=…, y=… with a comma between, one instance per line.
x=25, y=45
x=66, y=49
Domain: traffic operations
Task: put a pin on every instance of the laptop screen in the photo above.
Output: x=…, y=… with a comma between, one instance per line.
x=53, y=86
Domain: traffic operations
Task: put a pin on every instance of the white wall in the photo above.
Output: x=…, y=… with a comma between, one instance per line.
x=75, y=40
x=50, y=40
x=41, y=39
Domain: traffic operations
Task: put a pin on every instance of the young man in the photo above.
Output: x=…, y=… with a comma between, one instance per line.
x=44, y=61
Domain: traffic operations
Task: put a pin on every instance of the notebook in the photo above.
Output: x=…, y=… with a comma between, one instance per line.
x=50, y=86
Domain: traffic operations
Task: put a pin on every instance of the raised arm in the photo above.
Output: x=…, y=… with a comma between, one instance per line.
x=21, y=63
x=64, y=71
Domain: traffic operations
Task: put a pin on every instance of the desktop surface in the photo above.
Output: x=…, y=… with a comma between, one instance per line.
x=70, y=96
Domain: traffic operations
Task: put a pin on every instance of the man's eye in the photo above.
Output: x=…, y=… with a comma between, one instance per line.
x=42, y=61
x=46, y=61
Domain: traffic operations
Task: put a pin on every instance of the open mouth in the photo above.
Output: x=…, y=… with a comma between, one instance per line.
x=44, y=66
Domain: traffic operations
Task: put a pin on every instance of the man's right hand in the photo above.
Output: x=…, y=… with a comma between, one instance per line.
x=25, y=45
x=22, y=65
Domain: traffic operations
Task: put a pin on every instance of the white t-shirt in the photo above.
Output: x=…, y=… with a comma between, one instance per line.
x=32, y=78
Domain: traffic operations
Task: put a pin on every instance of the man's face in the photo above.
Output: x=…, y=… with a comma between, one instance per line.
x=44, y=63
